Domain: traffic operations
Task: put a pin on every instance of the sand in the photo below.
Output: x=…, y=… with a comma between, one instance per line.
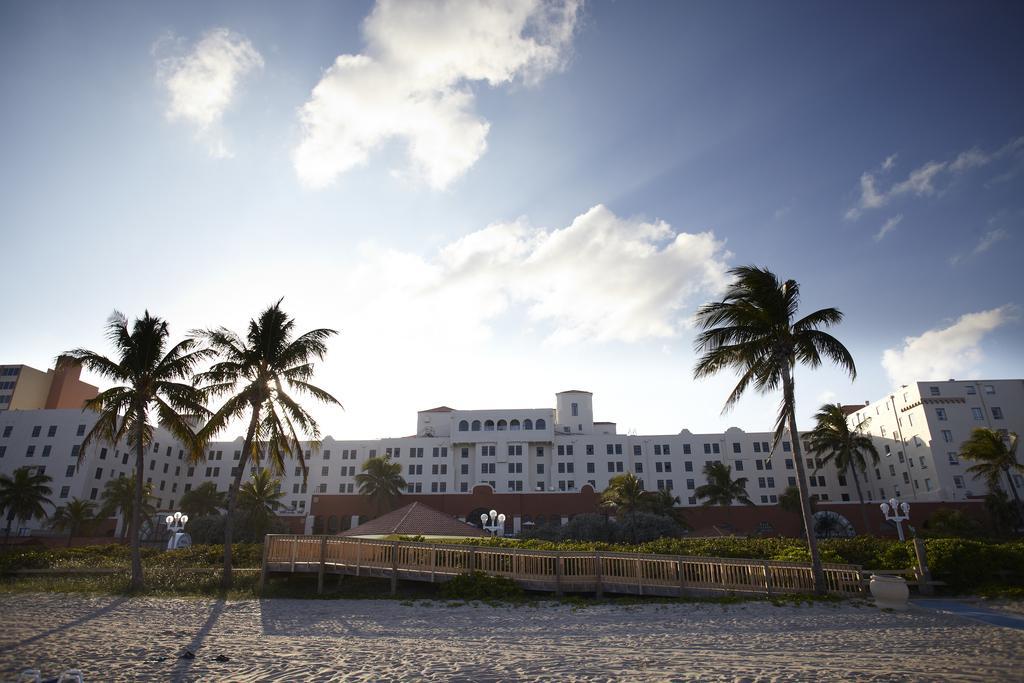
x=114, y=639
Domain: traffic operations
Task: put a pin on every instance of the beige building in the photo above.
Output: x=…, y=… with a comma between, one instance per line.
x=25, y=388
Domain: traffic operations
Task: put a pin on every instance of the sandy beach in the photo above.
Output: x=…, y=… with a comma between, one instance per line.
x=112, y=638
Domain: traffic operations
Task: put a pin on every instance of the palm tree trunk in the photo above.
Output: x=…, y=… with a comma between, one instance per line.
x=860, y=497
x=801, y=480
x=71, y=534
x=229, y=521
x=136, y=525
x=7, y=534
x=1016, y=496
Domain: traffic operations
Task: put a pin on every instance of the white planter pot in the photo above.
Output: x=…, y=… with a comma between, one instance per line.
x=889, y=592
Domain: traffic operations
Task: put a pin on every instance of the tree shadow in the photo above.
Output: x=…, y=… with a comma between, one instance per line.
x=183, y=666
x=73, y=623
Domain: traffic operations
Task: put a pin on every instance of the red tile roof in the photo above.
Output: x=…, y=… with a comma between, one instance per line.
x=415, y=519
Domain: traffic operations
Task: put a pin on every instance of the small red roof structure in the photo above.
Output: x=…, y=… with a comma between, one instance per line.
x=439, y=409
x=415, y=519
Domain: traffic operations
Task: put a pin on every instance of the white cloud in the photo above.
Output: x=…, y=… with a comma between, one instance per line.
x=921, y=181
x=413, y=83
x=202, y=82
x=945, y=352
x=888, y=227
x=602, y=278
x=984, y=244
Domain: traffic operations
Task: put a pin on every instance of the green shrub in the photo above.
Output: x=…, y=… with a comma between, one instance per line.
x=480, y=586
x=966, y=565
x=119, y=556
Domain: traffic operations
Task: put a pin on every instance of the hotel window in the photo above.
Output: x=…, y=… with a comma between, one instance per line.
x=760, y=482
x=977, y=414
x=464, y=487
x=324, y=471
x=707, y=449
x=540, y=468
x=463, y=426
x=892, y=470
x=540, y=451
x=568, y=450
x=927, y=484
x=465, y=452
x=7, y=431
x=327, y=455
x=590, y=449
x=791, y=481
x=924, y=465
x=953, y=459
x=757, y=447
x=686, y=449
x=997, y=413
x=590, y=468
x=690, y=484
x=46, y=451
x=958, y=482
x=947, y=436
x=30, y=451
x=70, y=471
x=737, y=447
x=638, y=467
x=971, y=391
x=906, y=478
x=36, y=431
x=882, y=429
x=64, y=491
x=940, y=413
x=575, y=410
x=989, y=389
x=657, y=449
x=786, y=447
x=52, y=431
x=842, y=480
x=934, y=391
x=561, y=450
x=789, y=463
x=739, y=465
x=688, y=466
x=636, y=449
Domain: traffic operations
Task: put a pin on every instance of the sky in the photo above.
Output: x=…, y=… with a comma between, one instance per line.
x=493, y=202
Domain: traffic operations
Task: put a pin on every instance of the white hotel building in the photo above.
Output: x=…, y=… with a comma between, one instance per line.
x=547, y=451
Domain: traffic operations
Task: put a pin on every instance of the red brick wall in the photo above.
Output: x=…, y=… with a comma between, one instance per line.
x=742, y=520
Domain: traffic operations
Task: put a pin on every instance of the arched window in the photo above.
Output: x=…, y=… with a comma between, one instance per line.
x=541, y=424
x=513, y=426
x=502, y=425
x=540, y=521
x=463, y=426
x=332, y=524
x=489, y=426
x=476, y=425
x=528, y=424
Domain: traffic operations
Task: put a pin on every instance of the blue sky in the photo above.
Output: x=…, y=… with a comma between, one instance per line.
x=495, y=203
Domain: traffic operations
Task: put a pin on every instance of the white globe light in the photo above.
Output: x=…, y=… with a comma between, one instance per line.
x=483, y=518
x=494, y=513
x=177, y=515
x=184, y=518
x=885, y=508
x=170, y=519
x=906, y=509
x=501, y=519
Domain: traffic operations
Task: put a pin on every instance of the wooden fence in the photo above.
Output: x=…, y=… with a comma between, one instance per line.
x=558, y=571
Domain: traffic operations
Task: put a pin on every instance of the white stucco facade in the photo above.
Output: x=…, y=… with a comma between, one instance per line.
x=558, y=449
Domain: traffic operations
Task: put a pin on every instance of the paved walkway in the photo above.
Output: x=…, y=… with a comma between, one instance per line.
x=970, y=610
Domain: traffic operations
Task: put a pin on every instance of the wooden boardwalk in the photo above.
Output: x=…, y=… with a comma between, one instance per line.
x=557, y=571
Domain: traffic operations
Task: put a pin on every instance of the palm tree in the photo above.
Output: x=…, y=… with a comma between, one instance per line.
x=152, y=379
x=847, y=448
x=259, y=498
x=721, y=488
x=754, y=330
x=625, y=493
x=203, y=500
x=23, y=496
x=73, y=516
x=254, y=372
x=995, y=457
x=381, y=481
x=119, y=499
x=261, y=494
